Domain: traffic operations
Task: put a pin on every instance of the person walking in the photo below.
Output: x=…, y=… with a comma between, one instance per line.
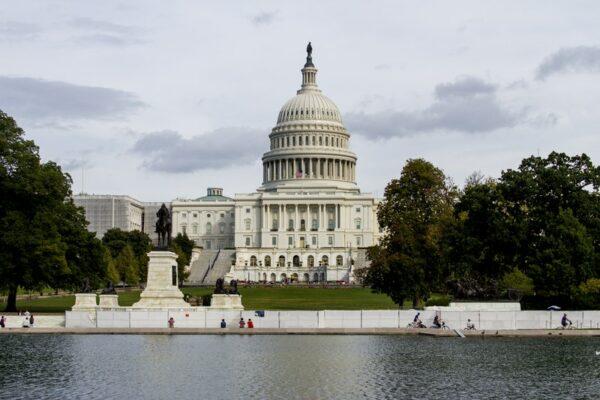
x=31, y=320
x=2, y=322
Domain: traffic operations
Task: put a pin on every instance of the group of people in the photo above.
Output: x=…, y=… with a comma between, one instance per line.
x=241, y=324
x=27, y=322
x=437, y=323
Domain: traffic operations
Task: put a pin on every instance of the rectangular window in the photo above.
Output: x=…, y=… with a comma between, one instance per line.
x=194, y=229
x=358, y=241
x=330, y=240
x=222, y=215
x=358, y=209
x=183, y=229
x=247, y=210
x=314, y=240
x=208, y=244
x=274, y=240
x=290, y=240
x=247, y=241
x=183, y=215
x=195, y=215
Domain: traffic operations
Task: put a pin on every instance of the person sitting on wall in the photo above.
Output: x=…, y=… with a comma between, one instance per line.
x=436, y=322
x=223, y=323
x=250, y=323
x=171, y=322
x=565, y=321
x=242, y=323
x=470, y=325
x=26, y=322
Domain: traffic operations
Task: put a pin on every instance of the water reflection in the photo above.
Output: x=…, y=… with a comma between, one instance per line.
x=296, y=367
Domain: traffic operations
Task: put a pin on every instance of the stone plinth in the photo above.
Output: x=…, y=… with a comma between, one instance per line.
x=85, y=301
x=109, y=301
x=226, y=301
x=161, y=289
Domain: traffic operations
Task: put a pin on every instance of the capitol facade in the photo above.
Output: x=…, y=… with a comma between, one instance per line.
x=307, y=222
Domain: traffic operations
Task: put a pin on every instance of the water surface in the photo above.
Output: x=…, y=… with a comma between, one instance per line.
x=296, y=367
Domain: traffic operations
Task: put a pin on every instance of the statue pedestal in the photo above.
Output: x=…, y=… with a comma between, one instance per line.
x=227, y=301
x=161, y=288
x=109, y=301
x=85, y=301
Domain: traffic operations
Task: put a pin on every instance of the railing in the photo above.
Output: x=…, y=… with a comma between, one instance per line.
x=210, y=266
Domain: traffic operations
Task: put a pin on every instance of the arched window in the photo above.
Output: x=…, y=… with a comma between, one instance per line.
x=339, y=261
x=281, y=262
x=253, y=261
x=267, y=261
x=208, y=228
x=302, y=225
x=311, y=261
x=296, y=261
x=325, y=261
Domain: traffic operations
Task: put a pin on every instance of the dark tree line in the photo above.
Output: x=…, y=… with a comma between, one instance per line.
x=534, y=231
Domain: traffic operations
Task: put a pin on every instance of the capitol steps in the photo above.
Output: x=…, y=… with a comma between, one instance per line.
x=221, y=266
x=200, y=268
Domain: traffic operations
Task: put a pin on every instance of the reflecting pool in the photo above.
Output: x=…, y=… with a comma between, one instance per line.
x=296, y=367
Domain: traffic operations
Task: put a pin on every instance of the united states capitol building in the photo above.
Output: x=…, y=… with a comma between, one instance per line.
x=307, y=222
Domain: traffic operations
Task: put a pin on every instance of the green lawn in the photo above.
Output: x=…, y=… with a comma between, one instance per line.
x=276, y=298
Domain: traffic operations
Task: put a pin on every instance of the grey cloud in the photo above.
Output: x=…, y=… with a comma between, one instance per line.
x=168, y=151
x=464, y=87
x=12, y=30
x=39, y=100
x=570, y=59
x=264, y=18
x=97, y=25
x=104, y=33
x=468, y=105
x=106, y=39
x=75, y=164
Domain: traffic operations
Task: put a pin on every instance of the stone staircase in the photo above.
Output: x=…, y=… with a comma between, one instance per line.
x=221, y=266
x=200, y=268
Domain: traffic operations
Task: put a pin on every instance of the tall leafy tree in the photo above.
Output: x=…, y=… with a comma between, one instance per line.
x=182, y=245
x=43, y=238
x=555, y=206
x=139, y=242
x=408, y=263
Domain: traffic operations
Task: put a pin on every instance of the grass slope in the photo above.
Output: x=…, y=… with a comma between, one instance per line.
x=276, y=298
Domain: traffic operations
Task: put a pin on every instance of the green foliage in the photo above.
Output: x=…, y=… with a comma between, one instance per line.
x=442, y=301
x=127, y=266
x=408, y=263
x=140, y=244
x=517, y=280
x=43, y=237
x=182, y=246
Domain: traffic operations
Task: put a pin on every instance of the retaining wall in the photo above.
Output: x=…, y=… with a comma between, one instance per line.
x=207, y=318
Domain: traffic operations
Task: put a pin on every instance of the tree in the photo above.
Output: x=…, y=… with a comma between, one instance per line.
x=43, y=238
x=127, y=266
x=139, y=242
x=182, y=246
x=408, y=263
x=554, y=204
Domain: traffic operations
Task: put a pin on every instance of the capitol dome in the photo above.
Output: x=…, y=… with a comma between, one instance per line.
x=309, y=143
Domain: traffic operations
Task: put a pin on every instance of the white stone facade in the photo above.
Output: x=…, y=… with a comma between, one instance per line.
x=104, y=212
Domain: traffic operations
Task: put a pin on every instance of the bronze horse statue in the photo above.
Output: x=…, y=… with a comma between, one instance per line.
x=163, y=227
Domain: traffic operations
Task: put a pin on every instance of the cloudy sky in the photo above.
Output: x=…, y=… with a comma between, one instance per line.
x=160, y=100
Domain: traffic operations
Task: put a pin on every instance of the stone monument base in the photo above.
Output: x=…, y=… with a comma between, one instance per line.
x=85, y=301
x=227, y=301
x=161, y=288
x=109, y=301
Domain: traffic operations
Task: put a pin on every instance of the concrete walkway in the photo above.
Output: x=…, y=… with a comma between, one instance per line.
x=298, y=331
